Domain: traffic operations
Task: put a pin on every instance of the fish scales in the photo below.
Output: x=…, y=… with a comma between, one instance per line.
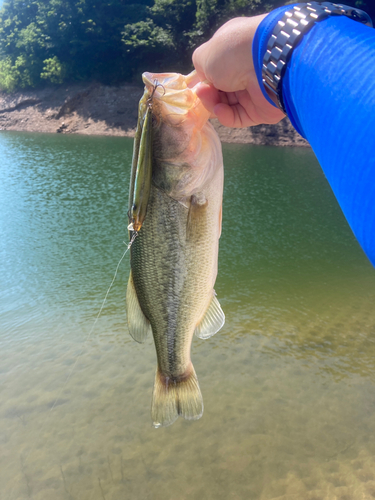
x=174, y=258
x=171, y=274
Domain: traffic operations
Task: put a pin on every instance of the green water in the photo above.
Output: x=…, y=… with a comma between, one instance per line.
x=288, y=383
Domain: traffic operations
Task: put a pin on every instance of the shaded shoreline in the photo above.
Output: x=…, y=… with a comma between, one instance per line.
x=94, y=109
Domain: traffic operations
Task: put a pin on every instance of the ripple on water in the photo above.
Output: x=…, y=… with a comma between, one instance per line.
x=288, y=384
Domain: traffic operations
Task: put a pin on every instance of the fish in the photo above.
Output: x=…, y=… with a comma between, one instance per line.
x=175, y=214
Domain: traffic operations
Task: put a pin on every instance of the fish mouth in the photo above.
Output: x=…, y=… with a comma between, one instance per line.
x=171, y=86
x=160, y=84
x=170, y=81
x=173, y=93
x=149, y=80
x=174, y=98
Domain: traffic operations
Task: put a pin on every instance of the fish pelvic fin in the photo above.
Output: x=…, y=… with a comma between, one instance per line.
x=174, y=397
x=212, y=321
x=139, y=325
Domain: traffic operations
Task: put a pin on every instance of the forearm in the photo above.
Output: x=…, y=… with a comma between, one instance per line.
x=329, y=94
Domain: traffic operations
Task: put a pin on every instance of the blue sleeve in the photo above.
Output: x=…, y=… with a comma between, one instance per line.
x=329, y=95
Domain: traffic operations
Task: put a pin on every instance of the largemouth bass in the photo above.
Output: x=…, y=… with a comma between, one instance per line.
x=175, y=207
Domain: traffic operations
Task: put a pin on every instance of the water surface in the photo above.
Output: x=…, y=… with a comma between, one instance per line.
x=288, y=383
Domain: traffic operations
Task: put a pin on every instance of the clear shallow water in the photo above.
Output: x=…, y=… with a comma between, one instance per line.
x=288, y=384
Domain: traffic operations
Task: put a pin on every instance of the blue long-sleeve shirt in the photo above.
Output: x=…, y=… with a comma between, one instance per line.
x=329, y=95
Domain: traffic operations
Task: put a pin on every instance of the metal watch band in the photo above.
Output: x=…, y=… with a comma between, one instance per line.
x=288, y=33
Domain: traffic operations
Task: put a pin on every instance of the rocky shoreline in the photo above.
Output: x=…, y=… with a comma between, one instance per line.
x=110, y=110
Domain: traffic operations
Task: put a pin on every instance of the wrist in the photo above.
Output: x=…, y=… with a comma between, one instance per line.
x=259, y=47
x=281, y=32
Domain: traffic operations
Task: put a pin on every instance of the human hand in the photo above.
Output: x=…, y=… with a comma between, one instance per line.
x=230, y=89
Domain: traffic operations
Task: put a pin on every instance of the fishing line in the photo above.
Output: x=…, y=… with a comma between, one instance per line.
x=135, y=234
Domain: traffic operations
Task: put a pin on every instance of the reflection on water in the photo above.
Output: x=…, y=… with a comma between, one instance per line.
x=288, y=384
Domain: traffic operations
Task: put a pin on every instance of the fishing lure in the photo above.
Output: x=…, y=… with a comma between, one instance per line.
x=141, y=176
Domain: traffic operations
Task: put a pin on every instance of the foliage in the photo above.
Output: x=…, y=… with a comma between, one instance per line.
x=8, y=78
x=53, y=70
x=52, y=41
x=65, y=40
x=15, y=74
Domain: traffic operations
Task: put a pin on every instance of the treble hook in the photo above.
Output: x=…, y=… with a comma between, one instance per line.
x=156, y=85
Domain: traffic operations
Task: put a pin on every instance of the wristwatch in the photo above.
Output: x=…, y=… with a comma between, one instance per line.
x=287, y=34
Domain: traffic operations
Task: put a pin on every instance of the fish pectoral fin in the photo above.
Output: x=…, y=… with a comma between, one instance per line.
x=212, y=321
x=139, y=325
x=198, y=205
x=174, y=397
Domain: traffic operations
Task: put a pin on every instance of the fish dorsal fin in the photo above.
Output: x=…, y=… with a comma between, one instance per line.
x=139, y=325
x=212, y=321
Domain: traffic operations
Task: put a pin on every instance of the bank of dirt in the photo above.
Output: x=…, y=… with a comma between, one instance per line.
x=110, y=110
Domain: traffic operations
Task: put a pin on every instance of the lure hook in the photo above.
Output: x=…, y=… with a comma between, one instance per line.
x=156, y=85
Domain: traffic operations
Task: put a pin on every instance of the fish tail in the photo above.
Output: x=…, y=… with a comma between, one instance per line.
x=174, y=397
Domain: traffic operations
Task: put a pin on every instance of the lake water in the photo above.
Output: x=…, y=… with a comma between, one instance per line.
x=288, y=383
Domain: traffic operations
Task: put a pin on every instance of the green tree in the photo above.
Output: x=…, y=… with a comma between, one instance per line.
x=161, y=41
x=53, y=70
x=84, y=36
x=51, y=41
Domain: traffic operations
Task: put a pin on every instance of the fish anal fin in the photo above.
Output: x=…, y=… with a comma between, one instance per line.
x=139, y=326
x=212, y=321
x=174, y=397
x=198, y=205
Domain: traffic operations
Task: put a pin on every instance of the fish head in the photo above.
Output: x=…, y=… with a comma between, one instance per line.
x=186, y=149
x=174, y=99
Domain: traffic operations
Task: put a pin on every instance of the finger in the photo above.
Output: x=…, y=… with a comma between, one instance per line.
x=233, y=116
x=223, y=97
x=208, y=95
x=198, y=61
x=192, y=79
x=232, y=98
